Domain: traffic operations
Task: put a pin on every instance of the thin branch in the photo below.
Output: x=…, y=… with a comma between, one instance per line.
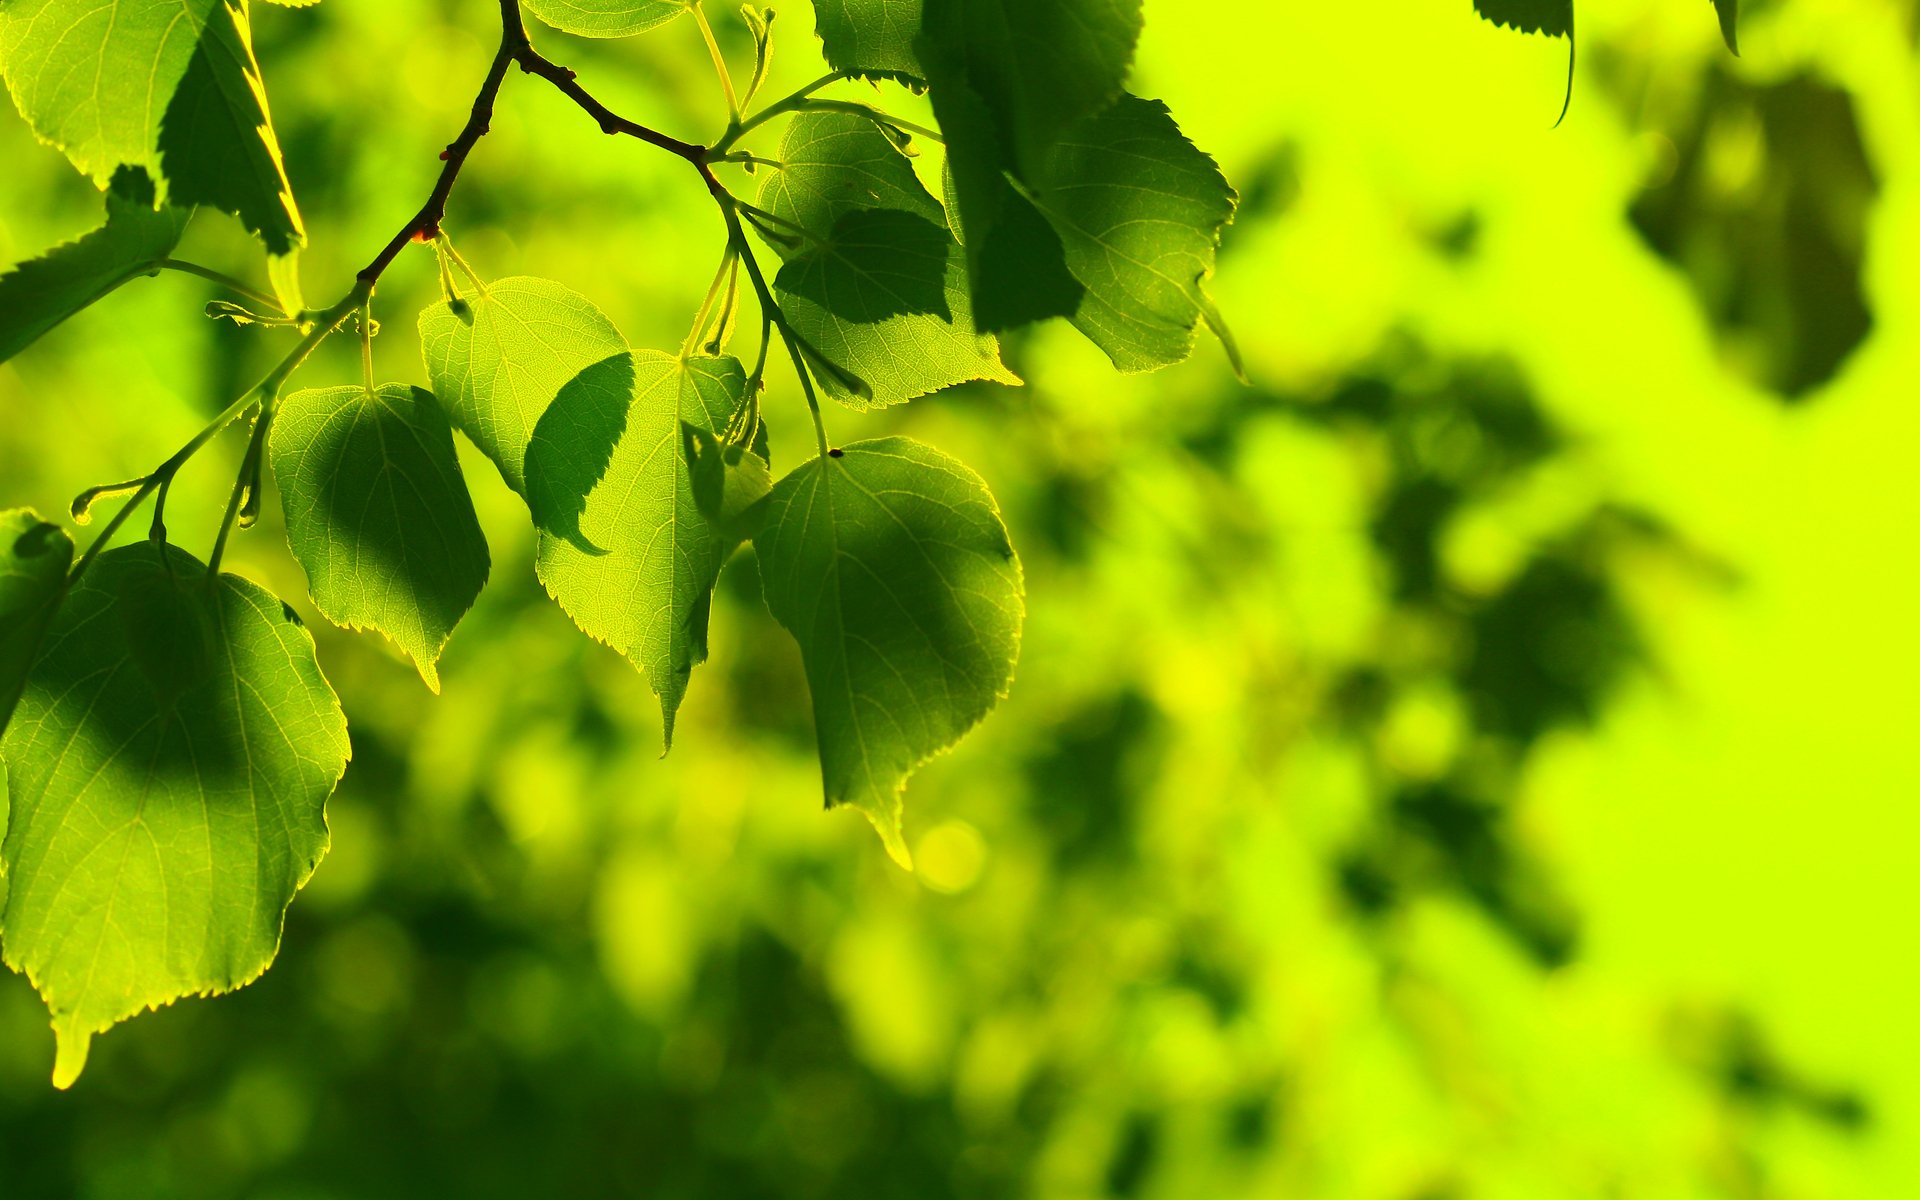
x=224, y=280
x=535, y=63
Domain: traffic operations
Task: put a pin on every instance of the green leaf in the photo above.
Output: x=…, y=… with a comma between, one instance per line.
x=378, y=514
x=1007, y=78
x=606, y=18
x=169, y=767
x=39, y=294
x=34, y=557
x=1139, y=209
x=498, y=359
x=890, y=566
x=878, y=283
x=870, y=38
x=1551, y=17
x=168, y=86
x=640, y=575
x=94, y=78
x=217, y=145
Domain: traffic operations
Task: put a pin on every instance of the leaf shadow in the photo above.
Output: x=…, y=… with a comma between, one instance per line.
x=573, y=443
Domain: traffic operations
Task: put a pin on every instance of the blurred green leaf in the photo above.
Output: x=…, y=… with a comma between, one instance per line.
x=42, y=292
x=877, y=283
x=640, y=571
x=34, y=557
x=378, y=514
x=889, y=564
x=496, y=360
x=168, y=766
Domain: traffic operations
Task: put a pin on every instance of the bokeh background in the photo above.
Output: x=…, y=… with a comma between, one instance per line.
x=1475, y=761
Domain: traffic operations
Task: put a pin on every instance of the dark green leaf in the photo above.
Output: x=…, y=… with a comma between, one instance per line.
x=877, y=282
x=1729, y=13
x=34, y=557
x=497, y=360
x=890, y=566
x=168, y=768
x=1551, y=17
x=606, y=18
x=378, y=514
x=870, y=38
x=217, y=145
x=730, y=483
x=640, y=575
x=40, y=293
x=1139, y=210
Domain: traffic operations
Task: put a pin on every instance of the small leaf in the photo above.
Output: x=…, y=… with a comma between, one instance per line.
x=606, y=18
x=40, y=293
x=890, y=566
x=879, y=286
x=497, y=360
x=34, y=557
x=1139, y=210
x=378, y=514
x=640, y=575
x=872, y=39
x=168, y=769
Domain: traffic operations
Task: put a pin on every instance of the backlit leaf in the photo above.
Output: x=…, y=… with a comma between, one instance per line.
x=1139, y=210
x=606, y=18
x=869, y=38
x=168, y=769
x=890, y=566
x=496, y=361
x=378, y=514
x=878, y=283
x=639, y=574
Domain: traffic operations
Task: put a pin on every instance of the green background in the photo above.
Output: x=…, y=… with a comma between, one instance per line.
x=1476, y=760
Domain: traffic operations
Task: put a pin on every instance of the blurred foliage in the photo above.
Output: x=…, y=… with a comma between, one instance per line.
x=1474, y=761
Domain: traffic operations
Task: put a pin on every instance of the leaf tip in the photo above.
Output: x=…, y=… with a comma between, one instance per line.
x=70, y=1053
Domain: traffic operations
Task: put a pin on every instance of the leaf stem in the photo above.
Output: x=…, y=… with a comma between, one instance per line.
x=788, y=103
x=224, y=280
x=770, y=311
x=719, y=62
x=877, y=116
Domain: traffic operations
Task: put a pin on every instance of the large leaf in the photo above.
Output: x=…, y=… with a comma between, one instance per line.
x=877, y=283
x=497, y=360
x=378, y=514
x=169, y=86
x=870, y=38
x=34, y=557
x=606, y=18
x=639, y=575
x=889, y=564
x=1139, y=209
x=42, y=292
x=169, y=767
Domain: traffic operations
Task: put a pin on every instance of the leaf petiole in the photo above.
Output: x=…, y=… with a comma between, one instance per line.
x=224, y=280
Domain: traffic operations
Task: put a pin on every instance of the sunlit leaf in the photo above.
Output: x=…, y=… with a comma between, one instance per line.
x=168, y=768
x=42, y=292
x=639, y=573
x=869, y=38
x=378, y=514
x=876, y=283
x=1140, y=210
x=34, y=557
x=606, y=18
x=497, y=360
x=889, y=564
